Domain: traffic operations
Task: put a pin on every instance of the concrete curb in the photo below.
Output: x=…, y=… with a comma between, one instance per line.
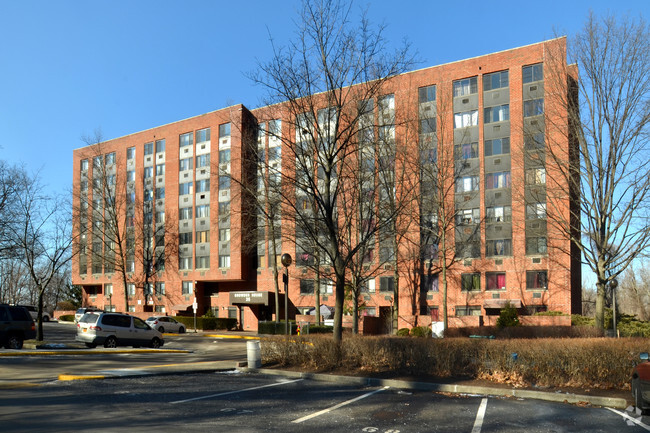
x=613, y=402
x=49, y=352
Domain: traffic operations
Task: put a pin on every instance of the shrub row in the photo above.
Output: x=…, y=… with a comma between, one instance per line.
x=592, y=363
x=276, y=328
x=208, y=323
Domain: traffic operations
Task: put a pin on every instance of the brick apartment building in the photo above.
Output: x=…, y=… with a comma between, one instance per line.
x=178, y=203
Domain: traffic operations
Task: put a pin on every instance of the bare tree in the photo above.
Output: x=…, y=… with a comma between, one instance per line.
x=43, y=236
x=318, y=81
x=124, y=226
x=608, y=108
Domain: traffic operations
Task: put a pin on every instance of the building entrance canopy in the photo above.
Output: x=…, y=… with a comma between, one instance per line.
x=249, y=298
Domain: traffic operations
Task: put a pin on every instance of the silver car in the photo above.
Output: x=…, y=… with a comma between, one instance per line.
x=166, y=324
x=116, y=329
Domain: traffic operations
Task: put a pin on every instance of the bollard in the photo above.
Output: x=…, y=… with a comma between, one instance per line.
x=254, y=355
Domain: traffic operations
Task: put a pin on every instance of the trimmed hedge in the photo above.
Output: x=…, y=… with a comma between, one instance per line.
x=66, y=318
x=317, y=329
x=207, y=323
x=588, y=363
x=276, y=328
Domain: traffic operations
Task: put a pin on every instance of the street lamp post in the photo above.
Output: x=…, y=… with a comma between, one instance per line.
x=286, y=262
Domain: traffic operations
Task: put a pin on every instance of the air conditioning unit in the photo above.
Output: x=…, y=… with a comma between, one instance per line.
x=223, y=167
x=388, y=267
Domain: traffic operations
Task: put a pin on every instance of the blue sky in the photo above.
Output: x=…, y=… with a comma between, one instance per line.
x=70, y=67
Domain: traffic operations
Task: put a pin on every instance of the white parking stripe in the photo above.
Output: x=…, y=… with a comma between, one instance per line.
x=628, y=417
x=336, y=406
x=235, y=392
x=479, y=417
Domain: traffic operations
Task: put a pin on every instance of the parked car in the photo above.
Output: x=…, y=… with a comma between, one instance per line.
x=81, y=311
x=116, y=329
x=166, y=324
x=33, y=311
x=641, y=383
x=16, y=326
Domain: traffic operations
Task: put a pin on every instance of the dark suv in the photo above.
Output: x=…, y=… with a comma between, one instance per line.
x=16, y=326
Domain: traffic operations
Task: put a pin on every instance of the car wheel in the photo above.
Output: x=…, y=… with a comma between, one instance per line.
x=14, y=342
x=181, y=330
x=46, y=318
x=110, y=342
x=91, y=345
x=161, y=329
x=156, y=343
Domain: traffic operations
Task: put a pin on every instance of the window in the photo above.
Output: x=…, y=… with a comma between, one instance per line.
x=464, y=87
x=495, y=281
x=160, y=145
x=110, y=158
x=224, y=208
x=427, y=94
x=160, y=289
x=430, y=283
x=224, y=261
x=185, y=213
x=496, y=114
x=470, y=282
x=185, y=164
x=534, y=107
x=148, y=195
x=386, y=284
x=536, y=280
x=131, y=289
x=202, y=236
x=202, y=211
x=160, y=217
x=148, y=172
x=275, y=127
x=496, y=80
x=203, y=135
x=532, y=73
x=160, y=169
x=535, y=211
x=498, y=247
x=497, y=180
x=186, y=139
x=274, y=153
x=467, y=184
x=160, y=193
x=534, y=141
x=465, y=119
x=148, y=148
x=185, y=188
x=203, y=262
x=130, y=197
x=83, y=185
x=224, y=130
x=306, y=287
x=386, y=103
x=203, y=185
x=536, y=245
x=427, y=126
x=224, y=182
x=468, y=310
x=185, y=238
x=224, y=235
x=536, y=176
x=203, y=160
x=468, y=216
x=84, y=164
x=187, y=287
x=497, y=146
x=466, y=151
x=97, y=162
x=184, y=263
x=130, y=175
x=499, y=214
x=224, y=156
x=130, y=153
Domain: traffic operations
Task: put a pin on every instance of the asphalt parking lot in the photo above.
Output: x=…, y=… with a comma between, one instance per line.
x=240, y=401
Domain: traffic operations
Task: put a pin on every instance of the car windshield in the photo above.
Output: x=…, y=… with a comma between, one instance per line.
x=152, y=319
x=89, y=318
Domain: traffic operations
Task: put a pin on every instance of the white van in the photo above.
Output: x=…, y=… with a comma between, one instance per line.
x=116, y=329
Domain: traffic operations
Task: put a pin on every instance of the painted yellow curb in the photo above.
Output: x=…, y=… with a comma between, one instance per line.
x=234, y=337
x=79, y=377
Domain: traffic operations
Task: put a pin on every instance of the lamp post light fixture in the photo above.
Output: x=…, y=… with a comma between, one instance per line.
x=286, y=262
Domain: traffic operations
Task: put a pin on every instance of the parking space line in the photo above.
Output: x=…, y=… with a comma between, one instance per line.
x=235, y=392
x=336, y=406
x=630, y=418
x=478, y=424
